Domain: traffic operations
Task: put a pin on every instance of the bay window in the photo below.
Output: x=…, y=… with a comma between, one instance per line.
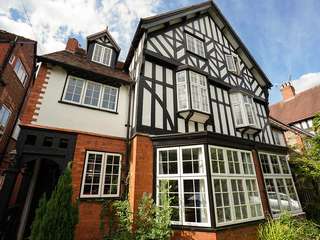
x=279, y=184
x=235, y=188
x=182, y=171
x=244, y=112
x=192, y=95
x=101, y=176
x=92, y=94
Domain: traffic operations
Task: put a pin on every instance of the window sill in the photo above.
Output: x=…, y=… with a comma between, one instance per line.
x=85, y=106
x=252, y=130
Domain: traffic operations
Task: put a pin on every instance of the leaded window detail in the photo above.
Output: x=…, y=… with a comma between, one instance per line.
x=101, y=176
x=92, y=94
x=235, y=188
x=182, y=170
x=279, y=184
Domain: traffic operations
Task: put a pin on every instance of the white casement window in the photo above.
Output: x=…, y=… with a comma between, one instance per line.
x=182, y=170
x=101, y=177
x=182, y=91
x=195, y=45
x=4, y=117
x=278, y=137
x=93, y=94
x=198, y=88
x=20, y=71
x=102, y=54
x=233, y=63
x=243, y=110
x=279, y=184
x=234, y=184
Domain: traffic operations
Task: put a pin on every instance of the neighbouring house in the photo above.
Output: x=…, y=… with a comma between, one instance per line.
x=297, y=111
x=17, y=70
x=189, y=105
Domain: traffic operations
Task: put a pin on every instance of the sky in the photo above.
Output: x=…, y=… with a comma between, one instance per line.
x=282, y=36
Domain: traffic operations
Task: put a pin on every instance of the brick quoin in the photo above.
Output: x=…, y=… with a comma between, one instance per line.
x=90, y=210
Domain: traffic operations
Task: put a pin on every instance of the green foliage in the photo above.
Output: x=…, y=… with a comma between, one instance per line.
x=56, y=218
x=307, y=164
x=150, y=221
x=289, y=228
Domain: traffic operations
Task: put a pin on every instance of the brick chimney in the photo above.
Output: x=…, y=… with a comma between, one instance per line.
x=287, y=91
x=72, y=45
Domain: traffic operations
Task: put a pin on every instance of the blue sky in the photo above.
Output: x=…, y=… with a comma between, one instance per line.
x=282, y=36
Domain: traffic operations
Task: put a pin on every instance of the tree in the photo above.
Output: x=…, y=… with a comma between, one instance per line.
x=56, y=218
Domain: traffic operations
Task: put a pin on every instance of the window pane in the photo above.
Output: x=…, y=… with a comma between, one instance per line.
x=192, y=160
x=106, y=56
x=4, y=116
x=74, y=89
x=236, y=108
x=275, y=164
x=92, y=174
x=195, y=209
x=217, y=160
x=168, y=162
x=284, y=165
x=92, y=94
x=222, y=201
x=293, y=197
x=247, y=163
x=97, y=53
x=112, y=175
x=109, y=98
x=233, y=162
x=253, y=196
x=265, y=163
x=199, y=92
x=230, y=63
x=195, y=45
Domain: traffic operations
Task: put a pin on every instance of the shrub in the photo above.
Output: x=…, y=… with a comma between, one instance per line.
x=56, y=218
x=289, y=228
x=151, y=221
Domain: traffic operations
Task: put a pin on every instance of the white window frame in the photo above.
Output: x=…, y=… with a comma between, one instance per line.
x=180, y=176
x=278, y=137
x=1, y=117
x=283, y=176
x=103, y=52
x=234, y=176
x=102, y=175
x=190, y=95
x=20, y=70
x=234, y=67
x=243, y=111
x=184, y=84
x=83, y=94
x=196, y=43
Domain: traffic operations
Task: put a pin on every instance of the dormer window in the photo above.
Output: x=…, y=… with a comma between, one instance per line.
x=195, y=45
x=192, y=94
x=233, y=63
x=244, y=112
x=102, y=54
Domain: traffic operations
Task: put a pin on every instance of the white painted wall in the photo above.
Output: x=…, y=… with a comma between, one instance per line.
x=59, y=115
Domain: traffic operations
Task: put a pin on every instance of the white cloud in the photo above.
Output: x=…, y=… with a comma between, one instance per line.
x=306, y=81
x=53, y=21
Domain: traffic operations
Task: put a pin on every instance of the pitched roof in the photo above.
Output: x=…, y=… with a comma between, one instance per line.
x=213, y=10
x=79, y=62
x=7, y=36
x=302, y=106
x=103, y=33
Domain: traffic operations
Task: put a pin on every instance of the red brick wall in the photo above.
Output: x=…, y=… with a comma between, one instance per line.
x=11, y=94
x=141, y=169
x=194, y=235
x=89, y=210
x=239, y=233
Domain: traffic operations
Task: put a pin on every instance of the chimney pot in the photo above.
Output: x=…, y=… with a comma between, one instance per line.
x=287, y=91
x=72, y=45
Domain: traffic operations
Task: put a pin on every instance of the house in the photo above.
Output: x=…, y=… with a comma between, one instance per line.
x=188, y=107
x=17, y=68
x=296, y=110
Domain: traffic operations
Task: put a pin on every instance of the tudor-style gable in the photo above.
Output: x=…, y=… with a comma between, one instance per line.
x=103, y=49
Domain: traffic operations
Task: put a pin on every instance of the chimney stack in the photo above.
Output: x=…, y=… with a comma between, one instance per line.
x=287, y=91
x=72, y=45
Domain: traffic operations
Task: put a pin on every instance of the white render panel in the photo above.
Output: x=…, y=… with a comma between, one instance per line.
x=170, y=107
x=146, y=108
x=148, y=69
x=159, y=116
x=59, y=115
x=181, y=125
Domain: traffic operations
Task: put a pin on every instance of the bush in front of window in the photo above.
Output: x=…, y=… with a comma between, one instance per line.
x=288, y=227
x=150, y=221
